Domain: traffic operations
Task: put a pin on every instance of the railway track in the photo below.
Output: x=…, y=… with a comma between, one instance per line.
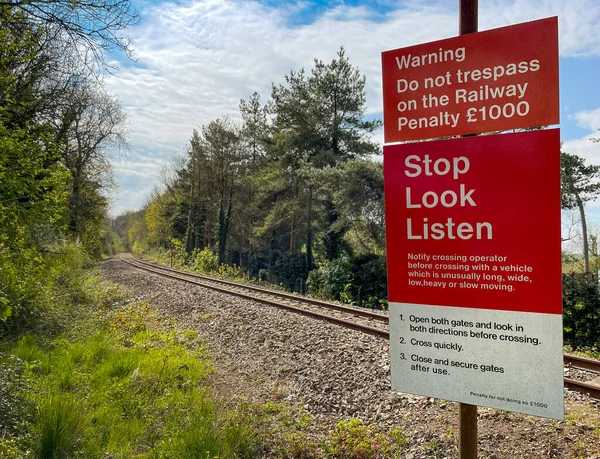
x=358, y=319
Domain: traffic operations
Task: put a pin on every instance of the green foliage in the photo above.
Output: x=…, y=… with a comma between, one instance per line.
x=137, y=389
x=14, y=410
x=178, y=252
x=369, y=281
x=204, y=261
x=10, y=449
x=361, y=281
x=58, y=427
x=289, y=188
x=50, y=189
x=581, y=312
x=138, y=236
x=32, y=196
x=229, y=271
x=579, y=183
x=352, y=439
x=290, y=270
x=578, y=180
x=329, y=280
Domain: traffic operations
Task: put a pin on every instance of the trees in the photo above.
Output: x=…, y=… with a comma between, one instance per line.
x=91, y=127
x=291, y=188
x=86, y=26
x=55, y=124
x=579, y=184
x=319, y=121
x=32, y=178
x=211, y=176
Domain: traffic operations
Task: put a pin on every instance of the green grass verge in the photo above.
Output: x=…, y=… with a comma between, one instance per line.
x=110, y=378
x=132, y=390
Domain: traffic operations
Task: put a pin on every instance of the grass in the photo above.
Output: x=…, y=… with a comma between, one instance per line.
x=58, y=429
x=102, y=376
x=352, y=439
x=130, y=391
x=591, y=352
x=121, y=382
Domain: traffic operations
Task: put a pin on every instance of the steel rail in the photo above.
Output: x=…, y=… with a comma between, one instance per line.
x=336, y=320
x=584, y=388
x=325, y=304
x=582, y=363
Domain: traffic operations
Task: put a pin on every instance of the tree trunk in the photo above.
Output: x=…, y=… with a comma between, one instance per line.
x=189, y=236
x=224, y=218
x=586, y=252
x=309, y=234
x=292, y=236
x=220, y=243
x=293, y=222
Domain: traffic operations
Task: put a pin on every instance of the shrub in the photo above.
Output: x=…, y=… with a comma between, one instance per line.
x=290, y=271
x=14, y=411
x=329, y=281
x=581, y=312
x=230, y=271
x=204, y=261
x=361, y=281
x=178, y=252
x=369, y=281
x=44, y=289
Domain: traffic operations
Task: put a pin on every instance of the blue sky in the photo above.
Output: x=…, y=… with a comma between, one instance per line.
x=198, y=58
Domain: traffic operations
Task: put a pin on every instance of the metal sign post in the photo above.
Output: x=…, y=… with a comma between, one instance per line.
x=467, y=414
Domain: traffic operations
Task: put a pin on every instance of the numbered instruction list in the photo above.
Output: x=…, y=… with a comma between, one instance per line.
x=501, y=359
x=474, y=285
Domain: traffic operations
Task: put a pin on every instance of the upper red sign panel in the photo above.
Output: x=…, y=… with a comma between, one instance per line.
x=475, y=222
x=489, y=81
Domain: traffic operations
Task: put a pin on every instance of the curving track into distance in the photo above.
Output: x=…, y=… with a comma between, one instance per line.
x=364, y=320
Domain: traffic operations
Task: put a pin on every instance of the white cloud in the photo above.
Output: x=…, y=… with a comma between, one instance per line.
x=585, y=146
x=197, y=59
x=579, y=20
x=588, y=119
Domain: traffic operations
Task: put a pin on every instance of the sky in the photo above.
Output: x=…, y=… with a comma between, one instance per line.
x=196, y=59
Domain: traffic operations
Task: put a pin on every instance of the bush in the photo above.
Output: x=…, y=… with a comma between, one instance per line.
x=230, y=271
x=581, y=312
x=290, y=271
x=41, y=289
x=362, y=281
x=177, y=250
x=13, y=408
x=204, y=261
x=329, y=281
x=369, y=281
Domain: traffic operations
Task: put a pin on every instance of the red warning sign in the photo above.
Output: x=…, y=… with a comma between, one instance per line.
x=475, y=222
x=474, y=270
x=495, y=80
